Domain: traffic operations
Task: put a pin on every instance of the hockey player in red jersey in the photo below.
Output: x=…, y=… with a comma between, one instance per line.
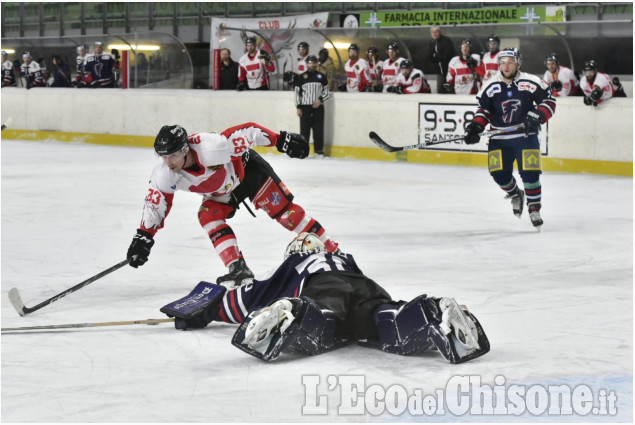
x=596, y=86
x=561, y=79
x=316, y=301
x=489, y=62
x=357, y=73
x=463, y=77
x=410, y=80
x=255, y=67
x=510, y=99
x=390, y=67
x=225, y=171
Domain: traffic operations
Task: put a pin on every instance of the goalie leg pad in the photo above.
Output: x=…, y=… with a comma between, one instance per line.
x=403, y=328
x=288, y=324
x=459, y=336
x=198, y=308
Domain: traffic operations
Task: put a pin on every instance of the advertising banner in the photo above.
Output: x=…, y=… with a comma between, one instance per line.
x=446, y=17
x=230, y=33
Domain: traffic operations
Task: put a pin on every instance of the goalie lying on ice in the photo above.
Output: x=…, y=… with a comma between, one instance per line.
x=317, y=301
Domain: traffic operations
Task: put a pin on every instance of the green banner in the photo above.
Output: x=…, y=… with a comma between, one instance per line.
x=529, y=14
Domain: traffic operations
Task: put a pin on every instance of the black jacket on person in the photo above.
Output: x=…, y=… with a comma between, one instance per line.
x=61, y=75
x=228, y=75
x=440, y=52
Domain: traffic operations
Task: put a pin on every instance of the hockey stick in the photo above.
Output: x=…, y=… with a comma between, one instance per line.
x=89, y=325
x=374, y=137
x=16, y=300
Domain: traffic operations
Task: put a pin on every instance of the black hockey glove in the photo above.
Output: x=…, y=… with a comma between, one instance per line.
x=471, y=63
x=447, y=88
x=391, y=89
x=596, y=94
x=533, y=121
x=556, y=85
x=341, y=87
x=264, y=55
x=473, y=134
x=293, y=145
x=139, y=249
x=241, y=86
x=378, y=88
x=588, y=101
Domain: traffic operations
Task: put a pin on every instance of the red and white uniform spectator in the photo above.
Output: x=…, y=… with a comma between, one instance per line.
x=390, y=68
x=461, y=77
x=357, y=72
x=254, y=68
x=412, y=80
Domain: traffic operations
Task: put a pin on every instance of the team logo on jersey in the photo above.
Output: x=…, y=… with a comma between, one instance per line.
x=527, y=86
x=509, y=108
x=275, y=198
x=492, y=90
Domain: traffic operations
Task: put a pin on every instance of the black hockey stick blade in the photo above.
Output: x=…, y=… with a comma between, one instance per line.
x=374, y=137
x=18, y=304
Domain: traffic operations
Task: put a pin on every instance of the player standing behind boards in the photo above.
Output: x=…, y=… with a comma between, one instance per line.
x=357, y=74
x=317, y=301
x=31, y=72
x=311, y=91
x=561, y=79
x=462, y=77
x=303, y=51
x=80, y=68
x=489, y=62
x=390, y=67
x=374, y=68
x=8, y=77
x=255, y=67
x=225, y=171
x=508, y=100
x=410, y=80
x=100, y=68
x=597, y=86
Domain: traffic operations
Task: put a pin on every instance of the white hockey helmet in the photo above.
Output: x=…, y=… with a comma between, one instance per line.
x=305, y=243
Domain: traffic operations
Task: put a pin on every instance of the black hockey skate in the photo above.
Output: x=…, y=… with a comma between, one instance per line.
x=239, y=274
x=518, y=201
x=534, y=214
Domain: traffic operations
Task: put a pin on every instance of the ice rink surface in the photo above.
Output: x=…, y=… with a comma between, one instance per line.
x=557, y=305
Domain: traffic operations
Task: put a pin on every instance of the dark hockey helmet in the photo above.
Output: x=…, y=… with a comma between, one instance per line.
x=354, y=46
x=373, y=51
x=552, y=58
x=393, y=46
x=405, y=64
x=305, y=242
x=250, y=40
x=590, y=65
x=493, y=37
x=510, y=52
x=311, y=58
x=303, y=45
x=171, y=138
x=4, y=53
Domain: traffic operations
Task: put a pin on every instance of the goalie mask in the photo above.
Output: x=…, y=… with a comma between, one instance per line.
x=305, y=243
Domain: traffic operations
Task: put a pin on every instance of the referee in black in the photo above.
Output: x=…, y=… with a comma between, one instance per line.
x=311, y=91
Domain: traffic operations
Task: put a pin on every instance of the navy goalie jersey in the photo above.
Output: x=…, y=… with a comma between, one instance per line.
x=285, y=281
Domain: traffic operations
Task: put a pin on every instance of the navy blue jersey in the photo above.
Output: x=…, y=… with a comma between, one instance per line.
x=286, y=281
x=98, y=69
x=506, y=105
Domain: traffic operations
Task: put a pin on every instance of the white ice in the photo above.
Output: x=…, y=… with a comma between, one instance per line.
x=557, y=305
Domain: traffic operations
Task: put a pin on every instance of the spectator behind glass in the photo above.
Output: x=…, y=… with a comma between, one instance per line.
x=440, y=52
x=327, y=67
x=228, y=71
x=140, y=72
x=61, y=73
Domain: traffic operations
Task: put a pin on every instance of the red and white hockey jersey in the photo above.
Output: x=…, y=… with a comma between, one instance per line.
x=302, y=65
x=461, y=77
x=414, y=83
x=488, y=66
x=568, y=79
x=254, y=70
x=374, y=70
x=603, y=82
x=389, y=72
x=357, y=75
x=220, y=170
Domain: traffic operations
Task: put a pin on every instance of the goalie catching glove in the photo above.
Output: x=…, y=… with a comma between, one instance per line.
x=139, y=249
x=293, y=145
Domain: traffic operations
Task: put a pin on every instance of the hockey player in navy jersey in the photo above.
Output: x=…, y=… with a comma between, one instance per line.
x=100, y=69
x=316, y=301
x=510, y=99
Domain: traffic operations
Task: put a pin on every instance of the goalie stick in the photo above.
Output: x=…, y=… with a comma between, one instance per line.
x=374, y=137
x=88, y=325
x=16, y=300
